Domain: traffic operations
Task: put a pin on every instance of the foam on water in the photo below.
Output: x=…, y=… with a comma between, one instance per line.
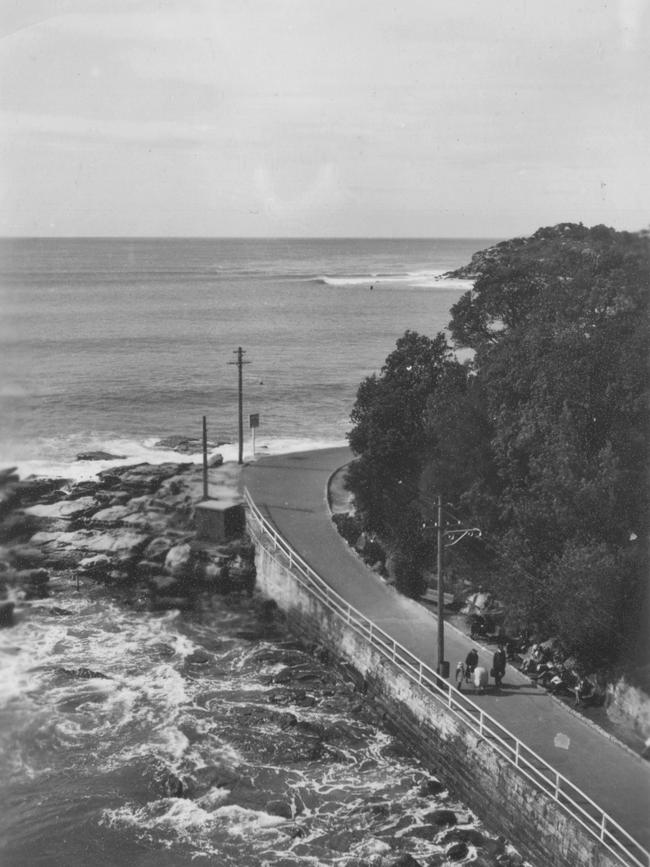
x=154, y=715
x=62, y=463
x=435, y=279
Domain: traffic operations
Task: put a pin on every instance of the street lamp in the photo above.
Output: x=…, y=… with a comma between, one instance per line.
x=455, y=534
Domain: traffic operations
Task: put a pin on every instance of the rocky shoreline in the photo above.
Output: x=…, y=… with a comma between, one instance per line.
x=131, y=528
x=132, y=531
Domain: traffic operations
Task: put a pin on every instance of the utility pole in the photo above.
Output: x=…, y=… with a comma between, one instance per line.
x=205, y=458
x=454, y=533
x=441, y=593
x=240, y=364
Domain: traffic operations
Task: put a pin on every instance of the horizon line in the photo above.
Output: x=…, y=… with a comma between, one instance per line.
x=249, y=237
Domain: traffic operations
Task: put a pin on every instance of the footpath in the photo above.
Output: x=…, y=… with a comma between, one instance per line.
x=291, y=492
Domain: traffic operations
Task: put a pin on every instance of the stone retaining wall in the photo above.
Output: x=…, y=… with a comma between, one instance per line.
x=491, y=786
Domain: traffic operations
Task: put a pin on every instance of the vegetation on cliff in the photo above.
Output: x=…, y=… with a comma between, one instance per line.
x=541, y=439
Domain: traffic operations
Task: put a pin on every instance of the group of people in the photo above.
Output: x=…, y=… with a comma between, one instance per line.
x=471, y=672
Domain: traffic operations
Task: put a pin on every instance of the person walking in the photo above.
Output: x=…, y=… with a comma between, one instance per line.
x=471, y=661
x=499, y=666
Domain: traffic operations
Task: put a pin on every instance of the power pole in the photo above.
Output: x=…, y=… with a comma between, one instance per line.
x=240, y=364
x=205, y=458
x=441, y=592
x=454, y=532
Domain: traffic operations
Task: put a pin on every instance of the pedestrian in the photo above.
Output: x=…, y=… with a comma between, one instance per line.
x=498, y=665
x=480, y=678
x=460, y=675
x=471, y=661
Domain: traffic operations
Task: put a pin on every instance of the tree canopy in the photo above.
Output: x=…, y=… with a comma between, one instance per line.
x=541, y=439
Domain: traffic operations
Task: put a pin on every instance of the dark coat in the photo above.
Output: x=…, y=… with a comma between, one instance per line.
x=499, y=662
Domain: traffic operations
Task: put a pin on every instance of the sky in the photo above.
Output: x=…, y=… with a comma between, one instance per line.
x=361, y=118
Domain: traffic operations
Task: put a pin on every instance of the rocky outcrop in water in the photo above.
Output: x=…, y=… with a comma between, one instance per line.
x=132, y=526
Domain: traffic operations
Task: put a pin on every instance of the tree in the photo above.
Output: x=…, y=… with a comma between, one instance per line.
x=541, y=438
x=559, y=326
x=391, y=438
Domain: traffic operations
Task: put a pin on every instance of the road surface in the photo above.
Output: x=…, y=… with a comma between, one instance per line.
x=291, y=492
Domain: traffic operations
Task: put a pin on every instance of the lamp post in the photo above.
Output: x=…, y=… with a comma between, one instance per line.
x=455, y=534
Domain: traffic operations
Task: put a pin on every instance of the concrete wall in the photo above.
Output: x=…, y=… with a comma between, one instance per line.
x=509, y=804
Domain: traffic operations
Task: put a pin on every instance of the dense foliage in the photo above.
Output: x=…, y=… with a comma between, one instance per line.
x=541, y=439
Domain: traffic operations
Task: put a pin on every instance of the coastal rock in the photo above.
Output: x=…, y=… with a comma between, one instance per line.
x=431, y=787
x=17, y=525
x=401, y=859
x=149, y=522
x=440, y=817
x=424, y=832
x=8, y=475
x=279, y=808
x=215, y=460
x=210, y=572
x=169, y=603
x=84, y=673
x=32, y=582
x=96, y=567
x=99, y=456
x=87, y=488
x=241, y=569
x=6, y=614
x=111, y=516
x=26, y=556
x=146, y=569
x=8, y=499
x=178, y=561
x=73, y=546
x=173, y=786
x=457, y=851
x=141, y=478
x=32, y=576
x=158, y=549
x=198, y=657
x=66, y=510
x=182, y=444
x=33, y=490
x=464, y=835
x=163, y=584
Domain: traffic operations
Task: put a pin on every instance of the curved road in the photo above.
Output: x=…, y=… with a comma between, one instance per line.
x=291, y=492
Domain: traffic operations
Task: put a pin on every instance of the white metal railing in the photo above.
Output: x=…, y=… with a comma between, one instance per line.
x=538, y=771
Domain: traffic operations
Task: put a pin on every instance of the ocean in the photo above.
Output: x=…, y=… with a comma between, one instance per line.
x=132, y=737
x=113, y=344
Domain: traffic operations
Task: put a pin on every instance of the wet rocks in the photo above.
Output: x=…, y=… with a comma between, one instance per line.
x=182, y=444
x=441, y=818
x=279, y=808
x=99, y=456
x=430, y=787
x=177, y=561
x=84, y=673
x=457, y=851
x=133, y=524
x=6, y=614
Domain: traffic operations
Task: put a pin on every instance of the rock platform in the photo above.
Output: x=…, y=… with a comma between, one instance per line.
x=132, y=527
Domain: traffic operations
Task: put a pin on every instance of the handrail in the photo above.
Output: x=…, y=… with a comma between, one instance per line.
x=536, y=769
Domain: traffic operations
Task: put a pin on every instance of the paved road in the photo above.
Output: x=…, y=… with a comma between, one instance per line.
x=291, y=491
